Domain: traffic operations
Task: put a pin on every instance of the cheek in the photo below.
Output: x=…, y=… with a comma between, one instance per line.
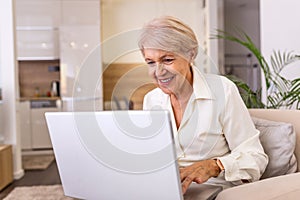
x=151, y=72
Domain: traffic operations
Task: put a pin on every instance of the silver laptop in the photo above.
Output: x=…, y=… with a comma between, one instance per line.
x=117, y=155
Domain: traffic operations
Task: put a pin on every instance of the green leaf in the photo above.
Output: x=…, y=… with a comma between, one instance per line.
x=280, y=91
x=250, y=98
x=248, y=43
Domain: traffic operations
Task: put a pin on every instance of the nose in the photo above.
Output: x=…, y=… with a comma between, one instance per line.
x=159, y=69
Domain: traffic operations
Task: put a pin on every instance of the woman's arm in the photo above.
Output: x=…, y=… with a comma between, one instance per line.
x=247, y=160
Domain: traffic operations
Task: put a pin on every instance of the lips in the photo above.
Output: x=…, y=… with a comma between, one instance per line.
x=166, y=80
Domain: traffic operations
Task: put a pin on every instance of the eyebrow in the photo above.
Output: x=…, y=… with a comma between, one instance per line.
x=160, y=58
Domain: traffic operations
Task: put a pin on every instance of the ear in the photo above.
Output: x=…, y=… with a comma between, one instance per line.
x=191, y=55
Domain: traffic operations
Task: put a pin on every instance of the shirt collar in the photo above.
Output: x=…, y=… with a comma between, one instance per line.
x=200, y=85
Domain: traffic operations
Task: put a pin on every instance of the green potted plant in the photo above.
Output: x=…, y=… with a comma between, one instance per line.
x=280, y=92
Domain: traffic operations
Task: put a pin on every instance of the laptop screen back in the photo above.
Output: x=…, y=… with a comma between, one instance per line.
x=115, y=154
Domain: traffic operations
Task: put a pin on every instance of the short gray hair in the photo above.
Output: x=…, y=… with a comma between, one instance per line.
x=169, y=34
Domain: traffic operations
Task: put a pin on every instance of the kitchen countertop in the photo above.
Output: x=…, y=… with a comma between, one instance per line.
x=38, y=98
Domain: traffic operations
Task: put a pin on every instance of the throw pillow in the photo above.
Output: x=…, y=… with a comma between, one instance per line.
x=278, y=140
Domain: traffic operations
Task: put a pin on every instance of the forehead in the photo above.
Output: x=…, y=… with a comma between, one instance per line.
x=156, y=53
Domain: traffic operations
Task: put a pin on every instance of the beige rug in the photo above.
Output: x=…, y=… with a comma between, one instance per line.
x=50, y=192
x=35, y=162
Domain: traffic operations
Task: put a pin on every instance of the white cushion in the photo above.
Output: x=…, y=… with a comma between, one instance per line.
x=278, y=140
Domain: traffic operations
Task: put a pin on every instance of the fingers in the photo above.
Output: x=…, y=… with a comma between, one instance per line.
x=186, y=183
x=198, y=172
x=183, y=173
x=198, y=180
x=188, y=176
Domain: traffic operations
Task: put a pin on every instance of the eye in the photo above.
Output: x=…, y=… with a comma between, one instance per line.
x=150, y=63
x=168, y=61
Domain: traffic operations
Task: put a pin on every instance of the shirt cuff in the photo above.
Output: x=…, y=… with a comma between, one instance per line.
x=231, y=169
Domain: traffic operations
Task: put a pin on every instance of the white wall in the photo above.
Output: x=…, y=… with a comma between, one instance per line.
x=120, y=16
x=1, y=111
x=9, y=83
x=280, y=30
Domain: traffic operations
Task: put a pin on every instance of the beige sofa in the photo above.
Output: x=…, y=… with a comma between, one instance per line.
x=282, y=187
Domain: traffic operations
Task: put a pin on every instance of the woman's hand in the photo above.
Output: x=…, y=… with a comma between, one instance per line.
x=198, y=172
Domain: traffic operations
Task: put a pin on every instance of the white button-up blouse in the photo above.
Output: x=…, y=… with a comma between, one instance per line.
x=215, y=124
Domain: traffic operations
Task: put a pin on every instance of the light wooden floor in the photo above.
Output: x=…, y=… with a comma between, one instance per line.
x=49, y=176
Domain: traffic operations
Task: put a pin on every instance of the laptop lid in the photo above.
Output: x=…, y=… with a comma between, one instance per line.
x=115, y=154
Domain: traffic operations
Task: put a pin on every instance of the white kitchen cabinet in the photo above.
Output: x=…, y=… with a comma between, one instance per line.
x=25, y=124
x=37, y=13
x=76, y=44
x=78, y=12
x=33, y=127
x=37, y=25
x=79, y=39
x=40, y=43
x=40, y=138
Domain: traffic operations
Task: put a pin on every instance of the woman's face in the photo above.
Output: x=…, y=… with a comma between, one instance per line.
x=170, y=71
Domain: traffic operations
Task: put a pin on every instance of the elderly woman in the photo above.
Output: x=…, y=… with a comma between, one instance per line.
x=216, y=141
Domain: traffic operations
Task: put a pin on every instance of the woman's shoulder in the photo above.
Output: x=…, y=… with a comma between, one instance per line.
x=213, y=79
x=217, y=80
x=220, y=80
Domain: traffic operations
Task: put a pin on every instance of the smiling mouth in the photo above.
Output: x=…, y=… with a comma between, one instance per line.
x=166, y=81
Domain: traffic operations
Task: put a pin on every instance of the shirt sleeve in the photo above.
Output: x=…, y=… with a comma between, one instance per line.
x=145, y=102
x=247, y=159
x=148, y=101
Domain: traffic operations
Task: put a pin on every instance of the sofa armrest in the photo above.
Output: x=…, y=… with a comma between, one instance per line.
x=279, y=188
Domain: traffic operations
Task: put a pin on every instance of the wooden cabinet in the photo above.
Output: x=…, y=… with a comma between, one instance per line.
x=6, y=166
x=1, y=122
